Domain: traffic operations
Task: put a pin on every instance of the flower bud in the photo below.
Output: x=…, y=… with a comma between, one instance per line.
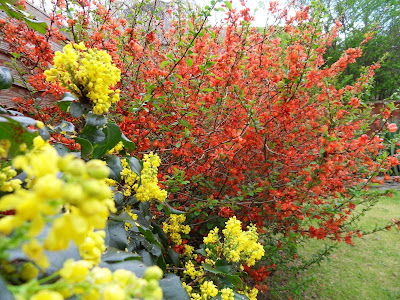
x=97, y=169
x=153, y=272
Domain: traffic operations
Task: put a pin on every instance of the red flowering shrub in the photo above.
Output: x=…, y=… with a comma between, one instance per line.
x=252, y=117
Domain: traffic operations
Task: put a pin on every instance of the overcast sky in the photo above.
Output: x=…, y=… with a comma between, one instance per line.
x=258, y=9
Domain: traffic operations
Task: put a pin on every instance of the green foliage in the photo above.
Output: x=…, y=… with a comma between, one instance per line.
x=17, y=12
x=358, y=18
x=6, y=79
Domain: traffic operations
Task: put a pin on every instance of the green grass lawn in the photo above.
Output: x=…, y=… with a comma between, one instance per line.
x=368, y=270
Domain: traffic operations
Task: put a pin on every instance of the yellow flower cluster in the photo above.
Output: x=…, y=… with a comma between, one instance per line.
x=129, y=177
x=100, y=283
x=174, y=227
x=251, y=294
x=241, y=245
x=81, y=191
x=146, y=186
x=116, y=149
x=188, y=251
x=212, y=237
x=88, y=74
x=93, y=247
x=4, y=147
x=238, y=245
x=47, y=295
x=191, y=270
x=149, y=188
x=7, y=184
x=227, y=294
x=208, y=289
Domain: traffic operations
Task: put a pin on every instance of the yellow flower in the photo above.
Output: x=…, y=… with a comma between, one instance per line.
x=174, y=227
x=212, y=237
x=93, y=294
x=34, y=250
x=113, y=292
x=39, y=124
x=208, y=289
x=195, y=296
x=123, y=277
x=7, y=184
x=102, y=275
x=28, y=271
x=75, y=271
x=4, y=147
x=241, y=245
x=251, y=294
x=116, y=149
x=93, y=247
x=153, y=273
x=47, y=295
x=227, y=294
x=191, y=270
x=149, y=188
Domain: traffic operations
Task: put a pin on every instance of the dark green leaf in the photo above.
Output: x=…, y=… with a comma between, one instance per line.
x=134, y=266
x=170, y=210
x=6, y=79
x=147, y=234
x=58, y=258
x=112, y=137
x=135, y=165
x=61, y=149
x=128, y=144
x=86, y=147
x=92, y=134
x=95, y=120
x=65, y=101
x=13, y=131
x=161, y=263
x=116, y=235
x=235, y=280
x=24, y=121
x=114, y=163
x=172, y=288
x=65, y=127
x=173, y=256
x=160, y=232
x=44, y=133
x=209, y=268
x=223, y=266
x=113, y=255
x=118, y=199
x=146, y=256
x=76, y=109
x=201, y=251
x=63, y=105
x=122, y=217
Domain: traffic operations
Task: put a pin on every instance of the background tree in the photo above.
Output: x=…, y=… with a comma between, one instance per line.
x=358, y=17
